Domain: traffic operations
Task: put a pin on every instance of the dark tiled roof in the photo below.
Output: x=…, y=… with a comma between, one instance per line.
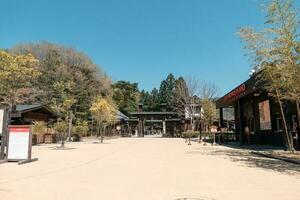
x=22, y=108
x=121, y=116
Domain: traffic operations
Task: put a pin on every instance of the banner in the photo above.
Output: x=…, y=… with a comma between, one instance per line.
x=265, y=115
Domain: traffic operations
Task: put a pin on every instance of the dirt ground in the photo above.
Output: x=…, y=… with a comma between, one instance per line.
x=148, y=169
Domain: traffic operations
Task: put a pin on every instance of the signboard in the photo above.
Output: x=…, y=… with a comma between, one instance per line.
x=3, y=130
x=265, y=115
x=1, y=120
x=236, y=92
x=19, y=143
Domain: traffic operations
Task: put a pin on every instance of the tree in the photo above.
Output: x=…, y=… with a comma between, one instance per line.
x=62, y=103
x=275, y=55
x=209, y=113
x=186, y=98
x=146, y=100
x=155, y=101
x=61, y=127
x=81, y=128
x=62, y=64
x=15, y=71
x=191, y=97
x=125, y=94
x=104, y=112
x=166, y=90
x=150, y=101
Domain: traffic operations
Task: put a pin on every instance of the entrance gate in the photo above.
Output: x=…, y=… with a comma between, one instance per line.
x=167, y=123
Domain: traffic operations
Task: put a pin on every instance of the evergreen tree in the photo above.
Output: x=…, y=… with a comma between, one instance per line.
x=166, y=93
x=125, y=95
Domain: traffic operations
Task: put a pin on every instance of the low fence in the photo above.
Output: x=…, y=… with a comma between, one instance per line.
x=213, y=137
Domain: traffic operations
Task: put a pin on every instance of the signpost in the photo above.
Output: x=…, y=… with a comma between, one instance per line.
x=19, y=144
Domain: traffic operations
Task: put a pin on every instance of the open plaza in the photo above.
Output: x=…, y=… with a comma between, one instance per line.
x=148, y=169
x=150, y=100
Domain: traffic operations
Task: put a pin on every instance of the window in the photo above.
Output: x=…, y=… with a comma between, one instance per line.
x=278, y=124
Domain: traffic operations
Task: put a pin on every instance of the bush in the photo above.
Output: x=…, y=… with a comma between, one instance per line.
x=38, y=127
x=81, y=128
x=191, y=134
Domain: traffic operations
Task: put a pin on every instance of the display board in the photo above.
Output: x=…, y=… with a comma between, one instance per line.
x=265, y=115
x=1, y=120
x=19, y=143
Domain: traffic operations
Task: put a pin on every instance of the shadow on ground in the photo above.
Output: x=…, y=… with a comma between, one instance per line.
x=244, y=157
x=61, y=148
x=101, y=142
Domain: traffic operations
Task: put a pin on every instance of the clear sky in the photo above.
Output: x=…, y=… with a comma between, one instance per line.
x=141, y=40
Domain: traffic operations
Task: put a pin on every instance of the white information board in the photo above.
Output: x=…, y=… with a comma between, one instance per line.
x=1, y=120
x=19, y=143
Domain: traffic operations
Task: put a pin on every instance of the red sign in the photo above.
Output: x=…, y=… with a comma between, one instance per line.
x=19, y=130
x=236, y=92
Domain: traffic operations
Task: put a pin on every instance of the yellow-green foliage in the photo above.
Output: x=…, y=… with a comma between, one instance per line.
x=103, y=110
x=16, y=72
x=38, y=127
x=81, y=128
x=61, y=127
x=209, y=111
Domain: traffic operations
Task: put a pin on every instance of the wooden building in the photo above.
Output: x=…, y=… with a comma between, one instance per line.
x=257, y=115
x=26, y=114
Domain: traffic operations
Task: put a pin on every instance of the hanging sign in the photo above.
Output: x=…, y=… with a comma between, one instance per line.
x=19, y=143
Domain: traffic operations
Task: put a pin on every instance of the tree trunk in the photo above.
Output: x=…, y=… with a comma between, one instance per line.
x=101, y=134
x=62, y=140
x=200, y=132
x=285, y=130
x=298, y=119
x=70, y=126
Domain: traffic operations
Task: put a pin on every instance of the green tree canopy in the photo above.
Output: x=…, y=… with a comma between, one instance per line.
x=166, y=92
x=125, y=95
x=65, y=74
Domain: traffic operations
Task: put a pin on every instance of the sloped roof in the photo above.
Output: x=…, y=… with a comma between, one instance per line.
x=121, y=116
x=24, y=108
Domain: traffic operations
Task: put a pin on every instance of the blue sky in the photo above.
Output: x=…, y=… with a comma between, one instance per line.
x=141, y=40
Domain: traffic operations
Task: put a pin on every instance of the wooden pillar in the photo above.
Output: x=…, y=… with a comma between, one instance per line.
x=164, y=127
x=141, y=126
x=221, y=118
x=240, y=122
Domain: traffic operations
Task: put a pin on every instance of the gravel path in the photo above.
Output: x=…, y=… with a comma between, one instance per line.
x=148, y=169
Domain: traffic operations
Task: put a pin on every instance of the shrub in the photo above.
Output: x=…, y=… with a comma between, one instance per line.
x=38, y=127
x=81, y=128
x=191, y=134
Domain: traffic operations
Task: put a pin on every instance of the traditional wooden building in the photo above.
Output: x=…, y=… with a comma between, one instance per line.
x=164, y=123
x=26, y=114
x=257, y=115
